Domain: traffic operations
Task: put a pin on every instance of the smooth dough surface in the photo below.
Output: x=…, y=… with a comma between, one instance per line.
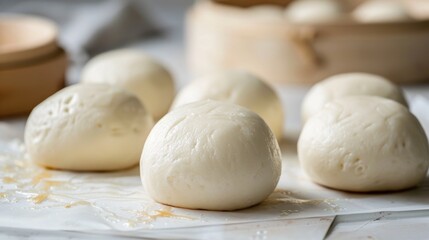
x=210, y=155
x=314, y=11
x=364, y=144
x=88, y=127
x=136, y=72
x=237, y=87
x=349, y=84
x=378, y=11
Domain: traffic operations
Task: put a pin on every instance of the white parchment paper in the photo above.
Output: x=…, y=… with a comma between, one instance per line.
x=32, y=197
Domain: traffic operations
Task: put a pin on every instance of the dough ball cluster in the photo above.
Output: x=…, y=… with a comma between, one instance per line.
x=136, y=72
x=88, y=127
x=364, y=144
x=349, y=84
x=210, y=155
x=237, y=87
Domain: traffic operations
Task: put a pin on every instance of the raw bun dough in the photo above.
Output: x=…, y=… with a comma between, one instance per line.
x=88, y=127
x=349, y=84
x=210, y=155
x=136, y=72
x=364, y=144
x=240, y=88
x=266, y=13
x=378, y=11
x=314, y=11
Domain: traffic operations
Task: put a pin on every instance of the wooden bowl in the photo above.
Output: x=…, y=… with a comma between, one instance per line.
x=32, y=65
x=221, y=36
x=23, y=87
x=25, y=38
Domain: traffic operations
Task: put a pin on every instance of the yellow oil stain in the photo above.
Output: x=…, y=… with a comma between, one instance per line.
x=77, y=203
x=8, y=180
x=148, y=217
x=41, y=176
x=39, y=198
x=48, y=184
x=3, y=195
x=19, y=163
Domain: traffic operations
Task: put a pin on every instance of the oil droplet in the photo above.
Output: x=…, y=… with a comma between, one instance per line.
x=39, y=177
x=20, y=164
x=289, y=212
x=145, y=217
x=39, y=198
x=48, y=184
x=8, y=180
x=77, y=203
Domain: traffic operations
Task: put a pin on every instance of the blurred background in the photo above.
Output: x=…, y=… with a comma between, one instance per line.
x=89, y=27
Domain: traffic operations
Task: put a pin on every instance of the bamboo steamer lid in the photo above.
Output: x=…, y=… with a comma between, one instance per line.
x=221, y=36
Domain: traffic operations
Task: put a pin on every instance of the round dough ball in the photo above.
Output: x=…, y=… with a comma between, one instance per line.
x=364, y=144
x=88, y=127
x=239, y=88
x=349, y=84
x=266, y=13
x=378, y=11
x=314, y=11
x=210, y=155
x=137, y=73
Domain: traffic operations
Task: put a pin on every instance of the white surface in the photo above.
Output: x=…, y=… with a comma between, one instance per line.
x=382, y=225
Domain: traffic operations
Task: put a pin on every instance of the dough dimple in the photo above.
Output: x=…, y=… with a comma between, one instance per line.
x=380, y=147
x=210, y=155
x=88, y=127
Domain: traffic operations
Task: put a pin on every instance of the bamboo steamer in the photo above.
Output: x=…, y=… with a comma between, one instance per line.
x=223, y=36
x=32, y=65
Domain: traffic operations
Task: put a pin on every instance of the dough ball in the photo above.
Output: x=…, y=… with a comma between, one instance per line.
x=314, y=11
x=376, y=11
x=210, y=155
x=136, y=72
x=88, y=127
x=240, y=88
x=364, y=144
x=266, y=13
x=349, y=84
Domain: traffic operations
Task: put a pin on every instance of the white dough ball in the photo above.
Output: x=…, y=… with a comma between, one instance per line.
x=364, y=144
x=210, y=155
x=349, y=84
x=314, y=11
x=239, y=88
x=377, y=11
x=137, y=73
x=88, y=127
x=266, y=13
